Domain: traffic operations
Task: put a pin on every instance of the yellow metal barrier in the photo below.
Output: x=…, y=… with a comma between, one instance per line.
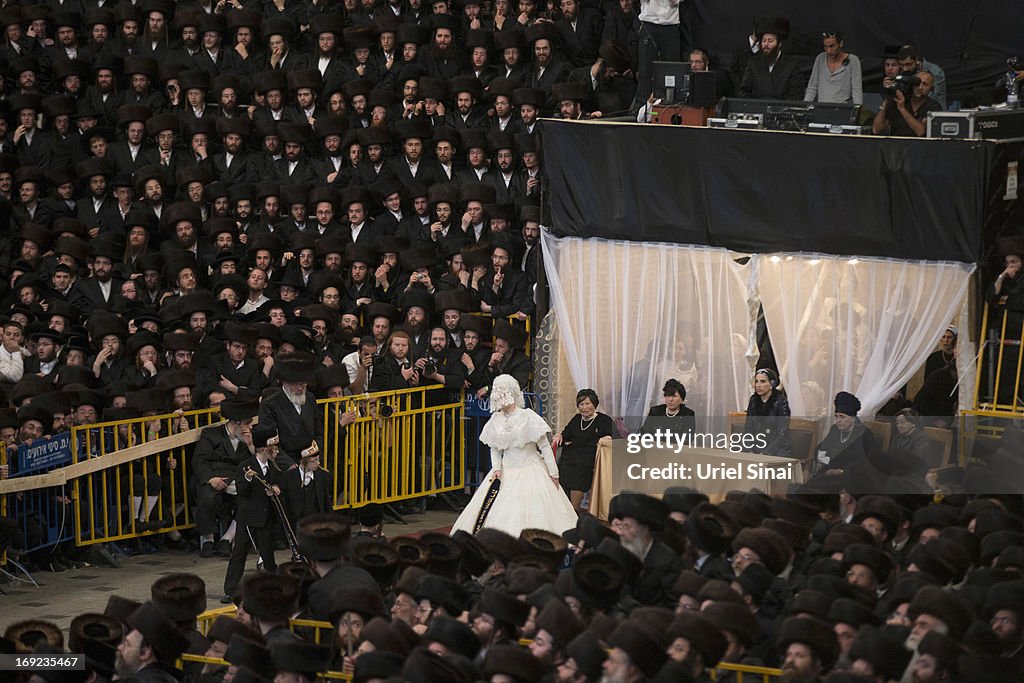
x=744, y=673
x=403, y=444
x=206, y=619
x=747, y=674
x=118, y=503
x=1008, y=357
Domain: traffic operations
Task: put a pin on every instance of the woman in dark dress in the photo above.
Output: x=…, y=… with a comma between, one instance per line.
x=577, y=446
x=671, y=415
x=844, y=450
x=768, y=415
x=911, y=439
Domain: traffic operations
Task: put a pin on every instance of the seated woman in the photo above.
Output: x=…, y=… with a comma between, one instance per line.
x=768, y=415
x=911, y=439
x=672, y=414
x=847, y=443
x=578, y=446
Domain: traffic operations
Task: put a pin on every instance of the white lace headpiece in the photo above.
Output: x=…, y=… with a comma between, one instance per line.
x=506, y=392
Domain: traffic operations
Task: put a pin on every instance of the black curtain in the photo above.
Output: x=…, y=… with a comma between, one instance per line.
x=763, y=191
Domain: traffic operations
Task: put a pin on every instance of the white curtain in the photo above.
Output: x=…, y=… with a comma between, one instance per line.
x=858, y=325
x=632, y=315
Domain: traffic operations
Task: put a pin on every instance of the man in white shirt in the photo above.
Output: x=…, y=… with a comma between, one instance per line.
x=660, y=40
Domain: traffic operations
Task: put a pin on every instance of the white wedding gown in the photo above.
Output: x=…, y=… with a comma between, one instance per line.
x=528, y=499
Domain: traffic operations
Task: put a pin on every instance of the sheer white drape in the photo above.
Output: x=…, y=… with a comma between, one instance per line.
x=632, y=315
x=858, y=325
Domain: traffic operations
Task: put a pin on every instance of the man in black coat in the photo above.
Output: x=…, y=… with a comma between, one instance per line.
x=215, y=468
x=580, y=30
x=234, y=372
x=770, y=74
x=234, y=164
x=253, y=517
x=101, y=289
x=505, y=290
x=507, y=357
x=641, y=516
x=324, y=539
x=292, y=412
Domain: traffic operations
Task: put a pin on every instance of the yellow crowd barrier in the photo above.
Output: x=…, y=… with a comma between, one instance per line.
x=403, y=444
x=746, y=674
x=144, y=496
x=1000, y=362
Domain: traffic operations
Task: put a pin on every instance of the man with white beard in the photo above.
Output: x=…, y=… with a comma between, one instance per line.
x=292, y=411
x=939, y=610
x=641, y=516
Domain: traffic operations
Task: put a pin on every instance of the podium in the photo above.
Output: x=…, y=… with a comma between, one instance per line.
x=681, y=115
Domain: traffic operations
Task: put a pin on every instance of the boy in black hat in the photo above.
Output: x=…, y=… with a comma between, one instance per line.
x=253, y=516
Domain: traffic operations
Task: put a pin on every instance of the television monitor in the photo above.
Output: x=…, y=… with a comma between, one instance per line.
x=672, y=82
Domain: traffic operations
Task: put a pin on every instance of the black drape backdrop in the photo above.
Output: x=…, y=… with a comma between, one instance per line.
x=969, y=39
x=764, y=191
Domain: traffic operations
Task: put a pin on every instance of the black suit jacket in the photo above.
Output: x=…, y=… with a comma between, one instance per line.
x=249, y=378
x=253, y=503
x=214, y=456
x=93, y=296
x=291, y=492
x=661, y=566
x=515, y=295
x=121, y=155
x=303, y=173
x=516, y=364
x=296, y=429
x=340, y=577
x=581, y=45
x=784, y=82
x=241, y=169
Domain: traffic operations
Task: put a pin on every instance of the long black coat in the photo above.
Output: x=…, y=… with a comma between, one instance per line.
x=784, y=82
x=339, y=577
x=253, y=503
x=249, y=378
x=661, y=567
x=297, y=430
x=214, y=456
x=291, y=492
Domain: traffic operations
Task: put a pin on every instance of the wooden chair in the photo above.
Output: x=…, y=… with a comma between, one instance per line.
x=737, y=421
x=803, y=434
x=882, y=432
x=942, y=440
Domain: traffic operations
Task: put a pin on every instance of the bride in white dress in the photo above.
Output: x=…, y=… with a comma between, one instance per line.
x=530, y=496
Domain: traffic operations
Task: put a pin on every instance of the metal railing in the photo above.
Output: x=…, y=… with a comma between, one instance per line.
x=744, y=673
x=402, y=444
x=141, y=496
x=998, y=390
x=747, y=674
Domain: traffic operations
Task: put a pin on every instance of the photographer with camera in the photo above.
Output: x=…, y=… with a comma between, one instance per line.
x=906, y=106
x=911, y=62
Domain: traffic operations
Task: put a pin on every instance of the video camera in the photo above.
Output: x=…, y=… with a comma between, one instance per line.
x=904, y=83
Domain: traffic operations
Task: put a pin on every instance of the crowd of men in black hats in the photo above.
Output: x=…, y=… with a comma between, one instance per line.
x=869, y=590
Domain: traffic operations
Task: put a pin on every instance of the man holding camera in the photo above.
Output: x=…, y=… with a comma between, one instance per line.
x=906, y=106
